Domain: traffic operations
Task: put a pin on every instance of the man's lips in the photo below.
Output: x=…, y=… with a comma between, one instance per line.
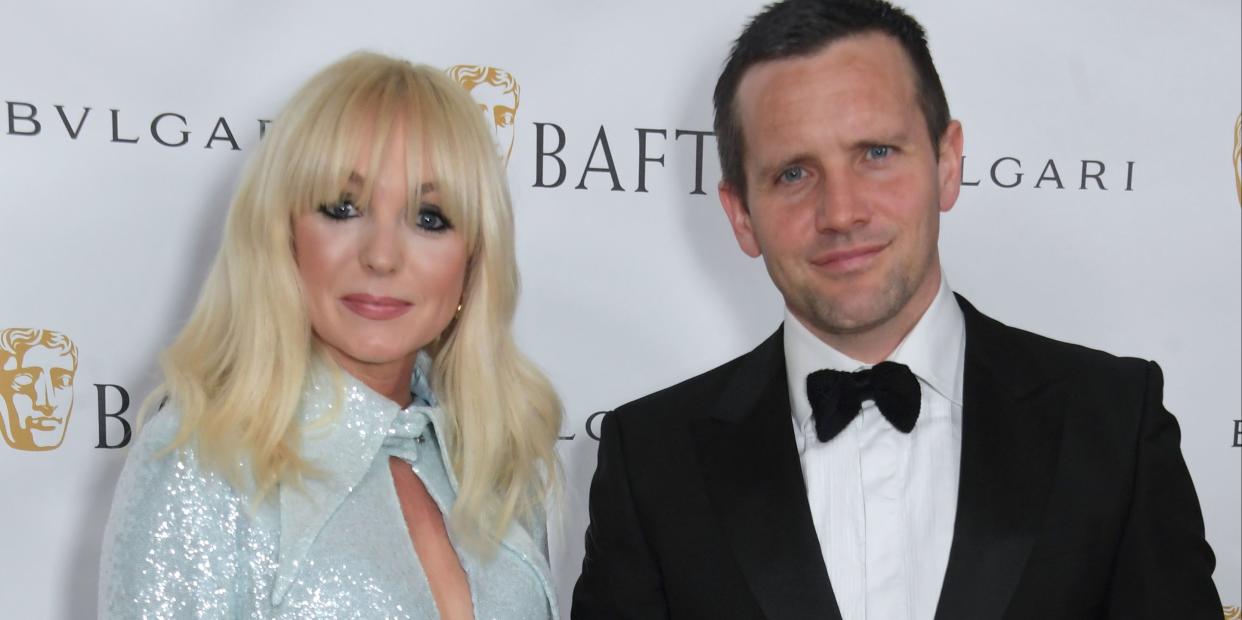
x=850, y=259
x=375, y=308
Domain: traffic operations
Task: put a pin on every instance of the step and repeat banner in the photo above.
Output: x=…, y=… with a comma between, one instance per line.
x=1101, y=205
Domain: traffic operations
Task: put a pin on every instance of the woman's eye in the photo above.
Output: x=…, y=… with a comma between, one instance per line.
x=430, y=218
x=878, y=151
x=792, y=175
x=342, y=209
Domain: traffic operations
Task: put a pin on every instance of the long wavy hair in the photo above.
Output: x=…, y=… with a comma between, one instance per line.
x=236, y=371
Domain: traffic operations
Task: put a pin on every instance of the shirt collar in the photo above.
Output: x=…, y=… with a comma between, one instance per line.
x=933, y=350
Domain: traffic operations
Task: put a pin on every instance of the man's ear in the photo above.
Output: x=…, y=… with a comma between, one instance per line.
x=949, y=165
x=739, y=218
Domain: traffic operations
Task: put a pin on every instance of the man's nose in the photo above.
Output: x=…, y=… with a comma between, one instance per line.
x=842, y=204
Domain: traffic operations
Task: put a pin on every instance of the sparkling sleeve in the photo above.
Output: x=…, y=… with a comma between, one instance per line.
x=170, y=546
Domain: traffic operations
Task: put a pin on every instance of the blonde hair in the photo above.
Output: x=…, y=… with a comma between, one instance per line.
x=236, y=370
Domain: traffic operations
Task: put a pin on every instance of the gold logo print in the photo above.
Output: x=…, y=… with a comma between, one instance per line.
x=37, y=367
x=1232, y=612
x=1237, y=157
x=498, y=96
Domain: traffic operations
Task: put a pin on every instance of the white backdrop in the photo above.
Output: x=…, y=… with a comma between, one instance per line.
x=107, y=241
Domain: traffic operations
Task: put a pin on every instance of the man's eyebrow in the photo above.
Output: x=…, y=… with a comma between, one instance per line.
x=898, y=137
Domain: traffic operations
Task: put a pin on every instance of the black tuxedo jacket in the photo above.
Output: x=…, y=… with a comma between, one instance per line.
x=1073, y=502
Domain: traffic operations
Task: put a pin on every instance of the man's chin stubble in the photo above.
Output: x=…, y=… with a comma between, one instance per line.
x=830, y=319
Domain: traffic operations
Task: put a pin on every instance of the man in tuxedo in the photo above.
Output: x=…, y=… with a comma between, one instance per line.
x=889, y=452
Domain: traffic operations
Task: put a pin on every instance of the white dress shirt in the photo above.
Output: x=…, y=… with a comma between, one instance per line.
x=883, y=501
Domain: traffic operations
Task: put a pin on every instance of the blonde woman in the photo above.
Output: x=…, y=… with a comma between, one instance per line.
x=349, y=430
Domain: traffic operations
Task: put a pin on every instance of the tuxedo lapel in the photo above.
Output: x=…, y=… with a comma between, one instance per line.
x=750, y=468
x=1012, y=415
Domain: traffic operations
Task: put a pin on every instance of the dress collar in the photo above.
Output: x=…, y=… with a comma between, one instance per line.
x=343, y=424
x=934, y=350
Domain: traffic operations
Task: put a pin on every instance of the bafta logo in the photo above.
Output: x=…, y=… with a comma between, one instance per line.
x=498, y=96
x=37, y=367
x=1232, y=612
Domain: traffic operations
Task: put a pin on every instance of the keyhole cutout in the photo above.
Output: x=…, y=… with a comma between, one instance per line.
x=425, y=524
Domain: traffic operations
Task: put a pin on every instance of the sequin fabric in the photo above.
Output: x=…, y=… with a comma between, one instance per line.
x=182, y=543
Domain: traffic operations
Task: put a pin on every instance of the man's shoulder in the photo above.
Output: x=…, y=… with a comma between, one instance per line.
x=683, y=398
x=699, y=394
x=1049, y=357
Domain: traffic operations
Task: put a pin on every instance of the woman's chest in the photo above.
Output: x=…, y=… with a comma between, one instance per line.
x=362, y=563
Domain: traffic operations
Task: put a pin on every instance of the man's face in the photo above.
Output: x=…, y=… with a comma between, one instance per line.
x=844, y=188
x=37, y=388
x=500, y=110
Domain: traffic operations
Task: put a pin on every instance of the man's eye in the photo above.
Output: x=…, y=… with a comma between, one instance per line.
x=878, y=152
x=430, y=218
x=342, y=209
x=792, y=175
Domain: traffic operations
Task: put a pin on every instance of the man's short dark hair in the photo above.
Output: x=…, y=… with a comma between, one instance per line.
x=803, y=27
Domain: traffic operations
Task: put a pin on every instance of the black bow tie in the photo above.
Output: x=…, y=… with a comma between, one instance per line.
x=836, y=396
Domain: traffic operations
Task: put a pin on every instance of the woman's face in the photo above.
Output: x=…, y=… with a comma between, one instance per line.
x=379, y=282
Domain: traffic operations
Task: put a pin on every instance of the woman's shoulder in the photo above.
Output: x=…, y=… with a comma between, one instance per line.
x=157, y=453
x=162, y=466
x=158, y=429
x=164, y=482
x=170, y=516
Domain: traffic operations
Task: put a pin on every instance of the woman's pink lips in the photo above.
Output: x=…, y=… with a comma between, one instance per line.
x=375, y=308
x=847, y=260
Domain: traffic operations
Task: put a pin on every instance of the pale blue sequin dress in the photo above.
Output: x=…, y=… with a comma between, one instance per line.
x=182, y=543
